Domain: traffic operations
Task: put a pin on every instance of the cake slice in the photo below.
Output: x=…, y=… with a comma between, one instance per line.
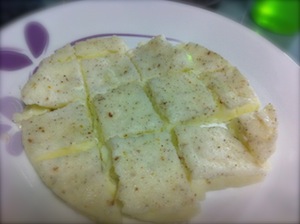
x=258, y=131
x=105, y=73
x=153, y=185
x=182, y=97
x=203, y=59
x=159, y=57
x=232, y=91
x=125, y=111
x=57, y=82
x=68, y=160
x=213, y=154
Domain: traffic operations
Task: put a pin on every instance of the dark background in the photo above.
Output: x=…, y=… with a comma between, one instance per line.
x=14, y=9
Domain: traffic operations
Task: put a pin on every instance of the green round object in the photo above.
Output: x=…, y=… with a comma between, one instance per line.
x=279, y=16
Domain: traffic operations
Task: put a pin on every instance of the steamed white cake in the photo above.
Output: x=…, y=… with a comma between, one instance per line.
x=125, y=111
x=143, y=133
x=152, y=181
x=195, y=100
x=56, y=83
x=68, y=160
x=107, y=73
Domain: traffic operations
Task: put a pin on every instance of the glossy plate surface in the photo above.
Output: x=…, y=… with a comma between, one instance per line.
x=274, y=76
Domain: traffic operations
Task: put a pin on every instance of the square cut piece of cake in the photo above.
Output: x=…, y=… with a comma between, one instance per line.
x=214, y=154
x=68, y=160
x=159, y=57
x=203, y=59
x=182, y=97
x=125, y=111
x=55, y=83
x=152, y=182
x=232, y=90
x=106, y=73
x=42, y=139
x=258, y=131
x=79, y=179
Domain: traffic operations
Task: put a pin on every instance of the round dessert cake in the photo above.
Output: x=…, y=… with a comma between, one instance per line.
x=145, y=132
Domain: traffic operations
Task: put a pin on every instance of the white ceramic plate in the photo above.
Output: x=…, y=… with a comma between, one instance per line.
x=271, y=72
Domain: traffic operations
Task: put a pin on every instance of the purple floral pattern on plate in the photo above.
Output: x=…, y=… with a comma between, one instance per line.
x=8, y=107
x=37, y=38
x=4, y=128
x=13, y=60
